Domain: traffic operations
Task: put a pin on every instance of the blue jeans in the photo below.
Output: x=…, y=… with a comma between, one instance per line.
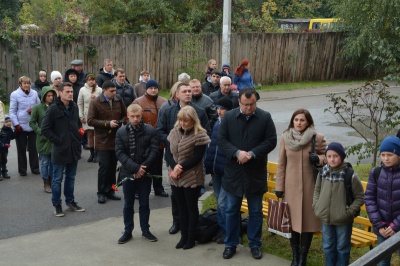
x=142, y=187
x=233, y=220
x=46, y=168
x=336, y=243
x=385, y=262
x=69, y=182
x=220, y=196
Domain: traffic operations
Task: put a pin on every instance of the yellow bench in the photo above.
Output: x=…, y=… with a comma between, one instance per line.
x=359, y=238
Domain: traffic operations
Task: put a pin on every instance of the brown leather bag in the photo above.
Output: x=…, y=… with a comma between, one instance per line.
x=279, y=218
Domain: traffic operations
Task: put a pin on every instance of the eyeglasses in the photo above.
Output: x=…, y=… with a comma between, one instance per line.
x=248, y=105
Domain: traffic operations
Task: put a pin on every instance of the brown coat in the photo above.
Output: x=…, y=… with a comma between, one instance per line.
x=295, y=178
x=151, y=108
x=99, y=116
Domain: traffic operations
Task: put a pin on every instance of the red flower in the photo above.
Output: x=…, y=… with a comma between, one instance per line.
x=114, y=187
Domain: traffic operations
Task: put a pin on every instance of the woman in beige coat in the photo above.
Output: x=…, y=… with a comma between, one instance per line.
x=295, y=180
x=187, y=145
x=86, y=95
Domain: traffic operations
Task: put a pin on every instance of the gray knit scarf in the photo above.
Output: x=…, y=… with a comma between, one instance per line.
x=296, y=140
x=132, y=137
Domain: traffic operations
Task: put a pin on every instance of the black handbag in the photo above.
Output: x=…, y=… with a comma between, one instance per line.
x=316, y=169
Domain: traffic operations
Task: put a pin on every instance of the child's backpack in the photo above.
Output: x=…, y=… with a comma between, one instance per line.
x=207, y=226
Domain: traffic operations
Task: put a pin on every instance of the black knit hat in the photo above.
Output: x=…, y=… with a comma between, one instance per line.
x=336, y=147
x=225, y=102
x=151, y=83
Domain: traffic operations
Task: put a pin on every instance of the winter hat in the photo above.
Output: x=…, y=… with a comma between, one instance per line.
x=225, y=66
x=54, y=75
x=390, y=144
x=225, y=102
x=151, y=83
x=338, y=148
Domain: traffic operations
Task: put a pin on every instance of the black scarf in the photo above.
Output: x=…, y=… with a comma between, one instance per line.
x=132, y=137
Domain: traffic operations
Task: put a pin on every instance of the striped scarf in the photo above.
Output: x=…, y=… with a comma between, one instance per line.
x=132, y=137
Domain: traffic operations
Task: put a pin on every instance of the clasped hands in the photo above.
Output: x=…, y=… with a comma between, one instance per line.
x=243, y=157
x=177, y=171
x=386, y=232
x=141, y=172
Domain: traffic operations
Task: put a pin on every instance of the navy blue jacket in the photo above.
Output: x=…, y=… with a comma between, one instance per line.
x=215, y=159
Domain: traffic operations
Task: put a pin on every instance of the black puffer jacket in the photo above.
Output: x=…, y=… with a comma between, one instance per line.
x=61, y=127
x=145, y=153
x=126, y=92
x=103, y=77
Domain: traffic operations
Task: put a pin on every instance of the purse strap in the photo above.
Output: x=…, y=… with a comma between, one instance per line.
x=313, y=144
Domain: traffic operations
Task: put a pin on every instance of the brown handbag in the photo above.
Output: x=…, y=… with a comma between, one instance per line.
x=279, y=218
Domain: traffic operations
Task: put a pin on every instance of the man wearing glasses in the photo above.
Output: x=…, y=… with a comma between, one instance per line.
x=246, y=135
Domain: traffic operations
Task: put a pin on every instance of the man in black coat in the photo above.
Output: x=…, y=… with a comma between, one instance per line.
x=136, y=147
x=61, y=125
x=246, y=135
x=165, y=123
x=210, y=87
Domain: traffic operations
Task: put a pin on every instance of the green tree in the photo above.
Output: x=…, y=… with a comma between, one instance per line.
x=54, y=15
x=371, y=111
x=9, y=8
x=373, y=35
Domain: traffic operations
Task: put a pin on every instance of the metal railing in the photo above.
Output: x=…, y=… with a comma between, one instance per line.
x=380, y=252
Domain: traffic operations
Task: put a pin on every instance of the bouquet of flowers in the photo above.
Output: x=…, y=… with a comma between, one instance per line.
x=116, y=186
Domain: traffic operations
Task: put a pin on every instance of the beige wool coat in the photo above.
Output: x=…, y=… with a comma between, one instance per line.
x=295, y=178
x=85, y=96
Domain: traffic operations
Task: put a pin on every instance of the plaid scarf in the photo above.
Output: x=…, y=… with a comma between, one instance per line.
x=132, y=137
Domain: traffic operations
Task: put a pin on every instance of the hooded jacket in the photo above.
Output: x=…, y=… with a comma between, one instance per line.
x=103, y=77
x=20, y=103
x=77, y=85
x=84, y=99
x=43, y=145
x=382, y=198
x=329, y=201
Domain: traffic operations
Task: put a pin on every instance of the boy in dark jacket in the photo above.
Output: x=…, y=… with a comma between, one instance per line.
x=382, y=197
x=6, y=135
x=331, y=206
x=215, y=165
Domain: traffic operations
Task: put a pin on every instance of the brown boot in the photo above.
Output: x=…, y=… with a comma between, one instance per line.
x=47, y=187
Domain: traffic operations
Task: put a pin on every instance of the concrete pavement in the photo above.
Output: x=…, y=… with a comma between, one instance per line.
x=96, y=244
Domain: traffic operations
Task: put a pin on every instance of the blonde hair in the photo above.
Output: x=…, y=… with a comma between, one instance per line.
x=189, y=113
x=134, y=107
x=172, y=92
x=209, y=62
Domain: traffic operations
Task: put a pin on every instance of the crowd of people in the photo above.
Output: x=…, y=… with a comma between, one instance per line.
x=211, y=127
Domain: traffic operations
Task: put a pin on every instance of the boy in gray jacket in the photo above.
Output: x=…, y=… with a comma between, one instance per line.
x=337, y=204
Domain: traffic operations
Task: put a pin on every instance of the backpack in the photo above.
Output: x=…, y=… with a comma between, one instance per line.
x=377, y=172
x=207, y=226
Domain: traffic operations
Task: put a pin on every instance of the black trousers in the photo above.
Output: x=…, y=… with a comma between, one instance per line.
x=157, y=170
x=27, y=140
x=187, y=199
x=3, y=160
x=106, y=174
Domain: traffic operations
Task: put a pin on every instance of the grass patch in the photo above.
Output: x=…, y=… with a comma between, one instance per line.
x=280, y=247
x=290, y=86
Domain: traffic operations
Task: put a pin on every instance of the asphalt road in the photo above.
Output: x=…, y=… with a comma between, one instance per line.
x=25, y=208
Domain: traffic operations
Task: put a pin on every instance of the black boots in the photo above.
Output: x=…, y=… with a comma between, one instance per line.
x=305, y=244
x=95, y=158
x=90, y=159
x=295, y=244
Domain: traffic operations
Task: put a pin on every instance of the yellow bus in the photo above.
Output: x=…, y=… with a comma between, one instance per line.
x=323, y=24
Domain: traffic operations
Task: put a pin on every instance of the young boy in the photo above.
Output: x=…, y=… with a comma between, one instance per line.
x=337, y=205
x=215, y=165
x=6, y=135
x=382, y=197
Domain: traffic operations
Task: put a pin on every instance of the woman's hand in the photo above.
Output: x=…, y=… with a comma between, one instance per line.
x=383, y=233
x=176, y=173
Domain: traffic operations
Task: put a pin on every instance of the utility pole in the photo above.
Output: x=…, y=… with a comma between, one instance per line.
x=226, y=32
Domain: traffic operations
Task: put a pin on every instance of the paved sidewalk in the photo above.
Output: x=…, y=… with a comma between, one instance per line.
x=96, y=244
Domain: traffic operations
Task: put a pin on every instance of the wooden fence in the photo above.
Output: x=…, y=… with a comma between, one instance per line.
x=288, y=57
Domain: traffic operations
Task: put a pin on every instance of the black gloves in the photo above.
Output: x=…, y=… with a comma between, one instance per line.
x=314, y=158
x=279, y=194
